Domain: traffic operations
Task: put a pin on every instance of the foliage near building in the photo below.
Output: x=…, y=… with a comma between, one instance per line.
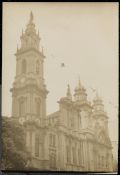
x=14, y=153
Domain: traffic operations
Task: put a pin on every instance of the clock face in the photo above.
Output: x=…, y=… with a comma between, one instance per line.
x=23, y=80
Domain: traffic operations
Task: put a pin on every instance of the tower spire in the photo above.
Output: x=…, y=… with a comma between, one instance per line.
x=31, y=17
x=69, y=92
x=42, y=50
x=79, y=82
x=97, y=96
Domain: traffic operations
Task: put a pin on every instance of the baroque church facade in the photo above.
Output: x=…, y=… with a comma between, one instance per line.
x=74, y=138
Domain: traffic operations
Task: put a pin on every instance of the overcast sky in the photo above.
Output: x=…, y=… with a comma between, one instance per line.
x=82, y=35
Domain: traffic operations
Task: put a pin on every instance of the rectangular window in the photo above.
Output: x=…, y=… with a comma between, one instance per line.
x=68, y=118
x=52, y=140
x=68, y=154
x=82, y=154
x=37, y=146
x=52, y=161
x=21, y=108
x=79, y=156
x=74, y=155
x=72, y=122
x=38, y=108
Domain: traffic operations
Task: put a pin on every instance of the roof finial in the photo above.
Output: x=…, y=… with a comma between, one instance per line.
x=17, y=47
x=97, y=96
x=42, y=50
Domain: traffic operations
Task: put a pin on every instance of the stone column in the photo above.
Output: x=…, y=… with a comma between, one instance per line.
x=27, y=139
x=14, y=106
x=46, y=147
x=62, y=152
x=91, y=161
x=85, y=156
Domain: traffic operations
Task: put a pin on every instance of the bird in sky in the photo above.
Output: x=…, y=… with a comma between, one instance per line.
x=62, y=64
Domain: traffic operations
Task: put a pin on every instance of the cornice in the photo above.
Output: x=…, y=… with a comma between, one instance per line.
x=22, y=51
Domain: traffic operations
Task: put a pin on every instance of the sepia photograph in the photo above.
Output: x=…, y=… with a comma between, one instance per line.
x=60, y=86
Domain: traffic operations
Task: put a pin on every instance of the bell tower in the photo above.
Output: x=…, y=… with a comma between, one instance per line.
x=99, y=113
x=82, y=103
x=29, y=90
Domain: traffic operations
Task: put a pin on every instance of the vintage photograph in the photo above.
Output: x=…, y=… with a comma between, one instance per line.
x=60, y=86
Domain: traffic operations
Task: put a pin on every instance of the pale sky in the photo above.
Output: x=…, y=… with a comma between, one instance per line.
x=82, y=35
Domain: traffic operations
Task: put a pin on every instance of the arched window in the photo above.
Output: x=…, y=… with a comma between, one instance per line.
x=37, y=67
x=24, y=66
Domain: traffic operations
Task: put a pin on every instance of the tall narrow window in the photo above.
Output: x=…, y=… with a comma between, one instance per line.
x=21, y=107
x=37, y=67
x=68, y=153
x=38, y=106
x=52, y=160
x=72, y=122
x=68, y=118
x=79, y=119
x=37, y=146
x=82, y=154
x=24, y=66
x=79, y=156
x=52, y=140
x=74, y=154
